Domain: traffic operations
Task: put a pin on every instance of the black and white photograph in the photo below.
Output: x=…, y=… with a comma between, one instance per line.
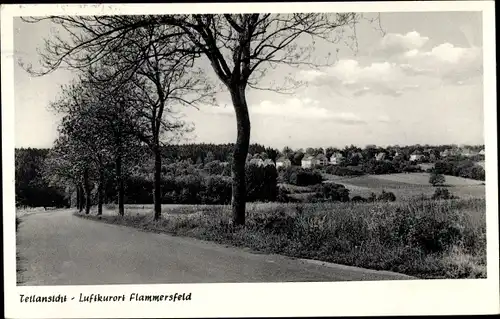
x=314, y=151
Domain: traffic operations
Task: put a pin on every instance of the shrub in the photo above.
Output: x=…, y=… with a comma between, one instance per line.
x=217, y=190
x=442, y=193
x=299, y=176
x=387, y=196
x=408, y=168
x=459, y=167
x=139, y=190
x=372, y=197
x=344, y=170
x=261, y=182
x=306, y=178
x=358, y=199
x=436, y=179
x=214, y=168
x=331, y=192
x=379, y=167
x=282, y=196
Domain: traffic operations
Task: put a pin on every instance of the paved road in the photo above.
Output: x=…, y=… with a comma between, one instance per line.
x=61, y=249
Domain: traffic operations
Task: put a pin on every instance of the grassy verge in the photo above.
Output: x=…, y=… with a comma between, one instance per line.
x=426, y=239
x=19, y=267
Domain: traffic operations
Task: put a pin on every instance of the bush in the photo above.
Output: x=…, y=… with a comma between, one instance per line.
x=358, y=199
x=299, y=176
x=387, y=196
x=261, y=183
x=217, y=190
x=459, y=167
x=331, y=192
x=436, y=179
x=344, y=171
x=372, y=197
x=442, y=193
x=283, y=196
x=139, y=190
x=214, y=168
x=408, y=168
x=379, y=167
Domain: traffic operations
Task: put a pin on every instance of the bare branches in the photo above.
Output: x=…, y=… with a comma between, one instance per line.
x=237, y=45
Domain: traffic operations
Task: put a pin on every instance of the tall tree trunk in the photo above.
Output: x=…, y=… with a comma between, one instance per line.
x=157, y=180
x=100, y=191
x=119, y=185
x=238, y=200
x=78, y=195
x=82, y=199
x=86, y=189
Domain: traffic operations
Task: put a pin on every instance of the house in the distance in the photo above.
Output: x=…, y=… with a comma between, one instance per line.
x=321, y=159
x=359, y=155
x=467, y=152
x=416, y=157
x=445, y=153
x=308, y=161
x=283, y=162
x=336, y=158
x=268, y=162
x=481, y=152
x=398, y=156
x=256, y=161
x=380, y=156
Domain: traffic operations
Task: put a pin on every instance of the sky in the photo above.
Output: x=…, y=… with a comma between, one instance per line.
x=420, y=81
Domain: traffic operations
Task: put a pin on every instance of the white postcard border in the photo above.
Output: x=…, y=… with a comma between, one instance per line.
x=415, y=297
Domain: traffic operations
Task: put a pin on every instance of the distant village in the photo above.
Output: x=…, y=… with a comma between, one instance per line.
x=340, y=157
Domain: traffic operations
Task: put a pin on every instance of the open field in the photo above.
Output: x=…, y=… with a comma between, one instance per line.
x=408, y=185
x=426, y=239
x=423, y=179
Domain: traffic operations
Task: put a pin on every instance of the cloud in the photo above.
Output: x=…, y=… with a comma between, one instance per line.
x=386, y=78
x=395, y=43
x=296, y=109
x=445, y=61
x=410, y=66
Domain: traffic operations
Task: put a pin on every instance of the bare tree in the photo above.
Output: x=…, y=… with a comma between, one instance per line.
x=240, y=48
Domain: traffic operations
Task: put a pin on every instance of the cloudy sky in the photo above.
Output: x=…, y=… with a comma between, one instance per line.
x=418, y=82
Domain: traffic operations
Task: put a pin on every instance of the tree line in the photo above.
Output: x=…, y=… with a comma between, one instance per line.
x=40, y=181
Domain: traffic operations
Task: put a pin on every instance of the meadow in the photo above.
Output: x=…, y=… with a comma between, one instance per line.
x=408, y=185
x=422, y=238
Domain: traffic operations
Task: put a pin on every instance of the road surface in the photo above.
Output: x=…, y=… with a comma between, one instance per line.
x=58, y=248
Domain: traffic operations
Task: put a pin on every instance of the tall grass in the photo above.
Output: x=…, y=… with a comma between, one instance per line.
x=427, y=239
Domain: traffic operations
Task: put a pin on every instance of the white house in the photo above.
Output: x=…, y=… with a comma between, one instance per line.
x=380, y=156
x=256, y=161
x=444, y=153
x=336, y=158
x=481, y=152
x=416, y=157
x=308, y=161
x=283, y=162
x=268, y=162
